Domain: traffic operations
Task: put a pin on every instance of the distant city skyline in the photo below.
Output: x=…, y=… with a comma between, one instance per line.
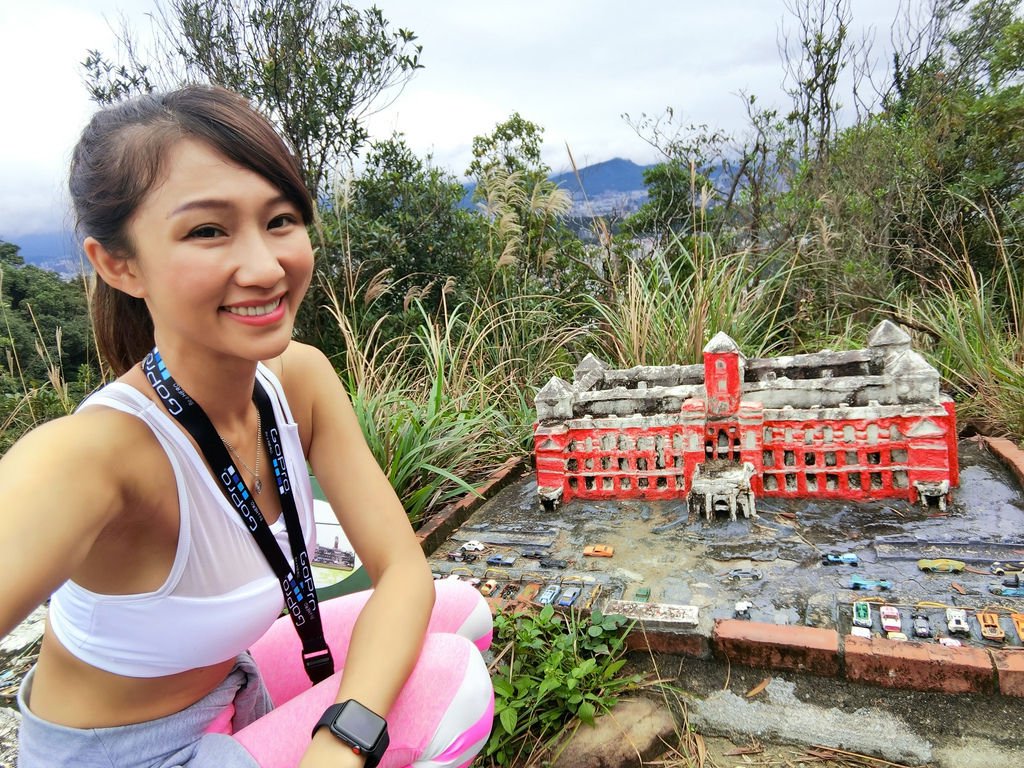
x=572, y=67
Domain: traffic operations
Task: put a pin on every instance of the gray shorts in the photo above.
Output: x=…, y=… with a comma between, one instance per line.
x=167, y=742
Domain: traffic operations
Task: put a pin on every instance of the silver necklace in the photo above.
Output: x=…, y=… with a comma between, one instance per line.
x=257, y=484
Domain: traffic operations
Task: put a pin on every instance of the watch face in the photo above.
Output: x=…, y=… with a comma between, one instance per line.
x=357, y=724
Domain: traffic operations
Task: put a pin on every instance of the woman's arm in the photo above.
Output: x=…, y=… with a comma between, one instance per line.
x=387, y=636
x=60, y=486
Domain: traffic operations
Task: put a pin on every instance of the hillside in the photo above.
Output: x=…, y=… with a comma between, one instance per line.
x=611, y=187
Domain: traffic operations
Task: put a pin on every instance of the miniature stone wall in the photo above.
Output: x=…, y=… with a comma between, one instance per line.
x=868, y=423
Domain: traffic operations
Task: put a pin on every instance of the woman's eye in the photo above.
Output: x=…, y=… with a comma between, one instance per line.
x=281, y=221
x=206, y=232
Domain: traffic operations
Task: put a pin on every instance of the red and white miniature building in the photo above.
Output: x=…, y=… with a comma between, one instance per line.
x=862, y=424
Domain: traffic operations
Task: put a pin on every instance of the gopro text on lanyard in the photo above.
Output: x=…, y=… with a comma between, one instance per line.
x=296, y=580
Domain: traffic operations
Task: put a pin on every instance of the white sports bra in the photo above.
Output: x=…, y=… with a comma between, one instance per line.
x=220, y=595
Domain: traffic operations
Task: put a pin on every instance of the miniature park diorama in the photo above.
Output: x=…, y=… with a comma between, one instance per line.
x=825, y=489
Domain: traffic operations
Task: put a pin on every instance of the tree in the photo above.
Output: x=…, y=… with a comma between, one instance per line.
x=317, y=67
x=513, y=147
x=402, y=215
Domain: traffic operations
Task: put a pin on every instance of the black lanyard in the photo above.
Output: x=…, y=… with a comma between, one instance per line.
x=299, y=593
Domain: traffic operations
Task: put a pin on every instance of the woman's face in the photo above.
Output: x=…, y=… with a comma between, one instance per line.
x=221, y=258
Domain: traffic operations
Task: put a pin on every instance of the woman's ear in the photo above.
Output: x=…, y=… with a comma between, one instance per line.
x=116, y=271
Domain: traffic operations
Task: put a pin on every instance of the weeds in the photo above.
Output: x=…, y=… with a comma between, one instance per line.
x=552, y=672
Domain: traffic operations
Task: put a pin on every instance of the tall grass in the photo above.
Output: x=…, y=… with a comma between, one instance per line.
x=975, y=327
x=445, y=403
x=665, y=313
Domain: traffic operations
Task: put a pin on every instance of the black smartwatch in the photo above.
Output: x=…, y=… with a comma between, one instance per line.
x=362, y=729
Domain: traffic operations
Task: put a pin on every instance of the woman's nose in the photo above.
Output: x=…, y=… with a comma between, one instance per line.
x=259, y=263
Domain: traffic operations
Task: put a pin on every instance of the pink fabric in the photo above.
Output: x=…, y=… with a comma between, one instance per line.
x=477, y=733
x=277, y=653
x=222, y=723
x=279, y=738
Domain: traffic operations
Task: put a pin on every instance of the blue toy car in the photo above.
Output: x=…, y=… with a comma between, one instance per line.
x=859, y=582
x=837, y=558
x=501, y=560
x=998, y=589
x=568, y=597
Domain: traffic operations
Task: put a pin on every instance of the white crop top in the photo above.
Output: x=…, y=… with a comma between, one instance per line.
x=220, y=595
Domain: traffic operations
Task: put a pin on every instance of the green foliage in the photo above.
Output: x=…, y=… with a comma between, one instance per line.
x=513, y=147
x=399, y=218
x=315, y=66
x=560, y=670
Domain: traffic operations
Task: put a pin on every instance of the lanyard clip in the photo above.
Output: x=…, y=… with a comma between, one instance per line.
x=319, y=665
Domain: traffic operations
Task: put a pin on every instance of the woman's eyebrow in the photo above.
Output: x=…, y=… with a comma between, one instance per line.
x=192, y=205
x=219, y=204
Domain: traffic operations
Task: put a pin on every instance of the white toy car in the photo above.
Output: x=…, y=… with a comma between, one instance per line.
x=890, y=616
x=956, y=620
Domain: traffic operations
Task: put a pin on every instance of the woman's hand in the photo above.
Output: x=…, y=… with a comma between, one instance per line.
x=328, y=751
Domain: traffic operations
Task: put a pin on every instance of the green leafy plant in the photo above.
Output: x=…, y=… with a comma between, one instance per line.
x=553, y=672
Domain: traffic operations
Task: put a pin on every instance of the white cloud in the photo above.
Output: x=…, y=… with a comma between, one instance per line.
x=572, y=66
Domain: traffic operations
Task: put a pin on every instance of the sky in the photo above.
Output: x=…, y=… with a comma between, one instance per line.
x=574, y=67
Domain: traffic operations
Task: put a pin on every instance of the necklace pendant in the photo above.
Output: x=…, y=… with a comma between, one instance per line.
x=257, y=486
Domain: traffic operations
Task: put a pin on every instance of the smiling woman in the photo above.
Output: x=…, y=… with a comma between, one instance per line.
x=145, y=514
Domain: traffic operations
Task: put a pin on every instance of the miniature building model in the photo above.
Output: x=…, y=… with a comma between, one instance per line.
x=863, y=424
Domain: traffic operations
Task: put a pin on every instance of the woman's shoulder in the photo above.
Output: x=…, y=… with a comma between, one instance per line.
x=301, y=369
x=90, y=435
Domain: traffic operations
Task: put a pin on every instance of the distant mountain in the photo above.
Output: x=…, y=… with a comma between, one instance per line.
x=611, y=176
x=56, y=251
x=613, y=186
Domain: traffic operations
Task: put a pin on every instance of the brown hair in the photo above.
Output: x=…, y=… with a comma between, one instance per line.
x=119, y=159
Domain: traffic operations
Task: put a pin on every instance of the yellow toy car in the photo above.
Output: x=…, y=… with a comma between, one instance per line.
x=942, y=565
x=598, y=550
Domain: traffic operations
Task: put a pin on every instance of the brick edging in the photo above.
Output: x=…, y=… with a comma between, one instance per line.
x=441, y=525
x=824, y=652
x=1009, y=453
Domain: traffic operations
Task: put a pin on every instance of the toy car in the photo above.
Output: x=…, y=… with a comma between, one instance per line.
x=837, y=558
x=742, y=609
x=549, y=594
x=643, y=594
x=862, y=614
x=950, y=642
x=501, y=560
x=859, y=582
x=942, y=565
x=568, y=597
x=999, y=589
x=488, y=588
x=1001, y=568
x=509, y=592
x=530, y=591
x=896, y=636
x=921, y=626
x=550, y=562
x=473, y=546
x=462, y=556
x=744, y=574
x=861, y=632
x=1018, y=624
x=990, y=628
x=598, y=550
x=890, y=616
x=956, y=621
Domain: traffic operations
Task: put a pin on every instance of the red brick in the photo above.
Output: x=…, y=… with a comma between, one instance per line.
x=441, y=525
x=918, y=666
x=678, y=643
x=778, y=646
x=1011, y=455
x=1010, y=670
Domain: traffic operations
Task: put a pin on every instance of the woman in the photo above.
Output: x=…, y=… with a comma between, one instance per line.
x=137, y=512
